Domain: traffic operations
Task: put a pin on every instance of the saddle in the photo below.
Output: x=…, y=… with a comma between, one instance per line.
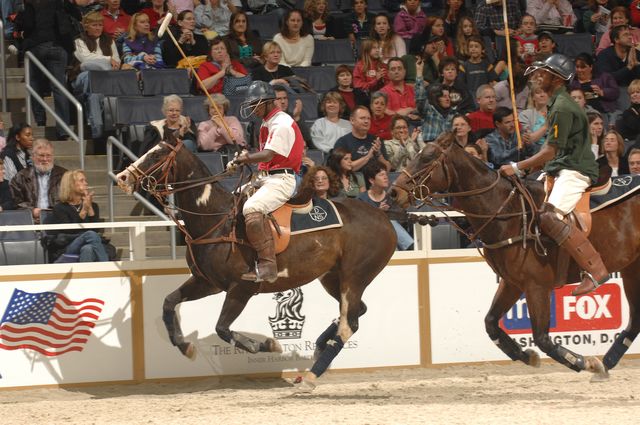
x=280, y=221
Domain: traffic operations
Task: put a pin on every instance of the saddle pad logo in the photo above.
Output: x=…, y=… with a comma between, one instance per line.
x=622, y=181
x=318, y=214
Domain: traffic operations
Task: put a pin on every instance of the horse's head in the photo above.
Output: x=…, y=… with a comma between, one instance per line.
x=425, y=174
x=156, y=167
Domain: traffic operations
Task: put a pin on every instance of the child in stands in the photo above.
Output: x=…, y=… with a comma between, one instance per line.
x=370, y=73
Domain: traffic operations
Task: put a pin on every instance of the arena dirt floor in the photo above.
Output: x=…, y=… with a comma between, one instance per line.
x=478, y=394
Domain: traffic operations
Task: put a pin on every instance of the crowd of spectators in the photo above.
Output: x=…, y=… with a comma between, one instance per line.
x=415, y=74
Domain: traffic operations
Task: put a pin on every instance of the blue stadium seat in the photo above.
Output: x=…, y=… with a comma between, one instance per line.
x=194, y=108
x=309, y=105
x=165, y=82
x=21, y=247
x=114, y=83
x=321, y=78
x=316, y=155
x=445, y=236
x=267, y=25
x=213, y=161
x=333, y=52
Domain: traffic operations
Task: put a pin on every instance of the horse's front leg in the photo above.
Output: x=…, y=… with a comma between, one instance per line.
x=504, y=299
x=236, y=300
x=539, y=304
x=193, y=289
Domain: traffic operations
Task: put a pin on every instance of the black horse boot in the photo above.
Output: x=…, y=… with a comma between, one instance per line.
x=259, y=234
x=576, y=243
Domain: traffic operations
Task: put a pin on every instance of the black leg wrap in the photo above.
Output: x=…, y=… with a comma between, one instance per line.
x=504, y=342
x=170, y=323
x=334, y=346
x=568, y=358
x=329, y=333
x=617, y=350
x=245, y=343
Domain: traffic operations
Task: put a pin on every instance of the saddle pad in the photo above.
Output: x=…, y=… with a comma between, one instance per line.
x=323, y=215
x=621, y=187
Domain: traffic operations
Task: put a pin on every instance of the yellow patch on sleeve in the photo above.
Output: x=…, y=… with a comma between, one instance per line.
x=555, y=131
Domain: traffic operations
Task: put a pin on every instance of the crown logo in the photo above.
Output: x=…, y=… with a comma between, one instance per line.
x=288, y=321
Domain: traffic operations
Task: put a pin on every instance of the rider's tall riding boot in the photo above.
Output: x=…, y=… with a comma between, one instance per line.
x=259, y=234
x=579, y=247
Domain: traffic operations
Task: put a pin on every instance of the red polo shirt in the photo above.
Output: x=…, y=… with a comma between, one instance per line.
x=480, y=120
x=397, y=99
x=111, y=24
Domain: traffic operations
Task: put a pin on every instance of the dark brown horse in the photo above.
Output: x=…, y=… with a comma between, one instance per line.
x=344, y=259
x=445, y=167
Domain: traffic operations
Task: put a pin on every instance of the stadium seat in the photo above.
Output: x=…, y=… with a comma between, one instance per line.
x=112, y=84
x=194, y=108
x=165, y=82
x=573, y=44
x=213, y=161
x=309, y=105
x=21, y=247
x=333, y=52
x=316, y=155
x=267, y=25
x=321, y=78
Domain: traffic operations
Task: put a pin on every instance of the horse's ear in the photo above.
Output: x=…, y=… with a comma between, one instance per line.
x=171, y=137
x=445, y=140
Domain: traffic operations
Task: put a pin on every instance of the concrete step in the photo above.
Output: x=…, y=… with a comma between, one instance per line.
x=164, y=252
x=15, y=87
x=154, y=238
x=91, y=162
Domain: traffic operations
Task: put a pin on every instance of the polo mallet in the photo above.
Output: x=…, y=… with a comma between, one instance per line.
x=161, y=31
x=510, y=65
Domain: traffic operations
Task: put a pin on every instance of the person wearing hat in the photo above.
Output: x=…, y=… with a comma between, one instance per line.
x=426, y=53
x=279, y=160
x=567, y=158
x=546, y=45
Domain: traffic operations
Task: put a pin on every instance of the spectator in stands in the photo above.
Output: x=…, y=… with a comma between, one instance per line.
x=401, y=98
x=43, y=40
x=546, y=45
x=601, y=92
x=6, y=200
x=359, y=22
x=36, y=188
x=552, y=12
x=329, y=128
x=435, y=104
x=634, y=161
x=183, y=127
x=380, y=120
x=621, y=59
x=483, y=118
x=425, y=52
x=297, y=45
x=242, y=43
x=352, y=96
x=612, y=151
x=489, y=19
x=141, y=49
x=402, y=148
x=634, y=9
x=578, y=96
x=377, y=180
x=272, y=72
x=619, y=16
x=282, y=101
x=628, y=125
x=156, y=10
x=461, y=100
x=214, y=15
x=461, y=128
x=454, y=15
x=370, y=73
x=533, y=120
x=594, y=21
x=212, y=135
x=521, y=88
x=435, y=28
x=502, y=68
x=75, y=206
x=319, y=23
x=191, y=43
x=94, y=51
x=364, y=147
x=391, y=45
x=527, y=38
x=322, y=180
x=596, y=130
x=503, y=142
x=351, y=183
x=477, y=70
x=410, y=21
x=223, y=74
x=116, y=21
x=474, y=151
x=16, y=154
x=466, y=29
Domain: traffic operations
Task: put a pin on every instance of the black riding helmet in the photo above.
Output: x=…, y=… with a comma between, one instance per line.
x=258, y=93
x=557, y=64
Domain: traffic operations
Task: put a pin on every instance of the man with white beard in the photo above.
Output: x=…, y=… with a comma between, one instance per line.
x=36, y=187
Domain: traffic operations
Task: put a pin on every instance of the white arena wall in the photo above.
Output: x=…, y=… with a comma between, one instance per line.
x=423, y=310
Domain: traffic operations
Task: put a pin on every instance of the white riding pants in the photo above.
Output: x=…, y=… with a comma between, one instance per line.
x=273, y=192
x=567, y=190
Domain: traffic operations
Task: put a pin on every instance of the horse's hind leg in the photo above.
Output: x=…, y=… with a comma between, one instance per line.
x=539, y=304
x=193, y=289
x=236, y=300
x=631, y=280
x=504, y=299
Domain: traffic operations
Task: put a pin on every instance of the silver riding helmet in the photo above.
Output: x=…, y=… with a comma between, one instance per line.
x=557, y=64
x=259, y=92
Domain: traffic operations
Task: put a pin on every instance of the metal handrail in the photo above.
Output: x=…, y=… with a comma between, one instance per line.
x=79, y=137
x=111, y=141
x=3, y=68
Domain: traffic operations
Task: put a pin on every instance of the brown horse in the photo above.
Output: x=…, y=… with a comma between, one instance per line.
x=445, y=167
x=344, y=259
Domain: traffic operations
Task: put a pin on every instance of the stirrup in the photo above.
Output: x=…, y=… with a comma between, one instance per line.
x=593, y=280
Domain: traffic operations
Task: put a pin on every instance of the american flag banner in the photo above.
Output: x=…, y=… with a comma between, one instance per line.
x=48, y=322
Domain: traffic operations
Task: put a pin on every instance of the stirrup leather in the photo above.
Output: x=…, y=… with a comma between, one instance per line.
x=596, y=283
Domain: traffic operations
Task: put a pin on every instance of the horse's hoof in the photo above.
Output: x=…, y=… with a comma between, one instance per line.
x=188, y=350
x=595, y=366
x=303, y=387
x=272, y=346
x=533, y=356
